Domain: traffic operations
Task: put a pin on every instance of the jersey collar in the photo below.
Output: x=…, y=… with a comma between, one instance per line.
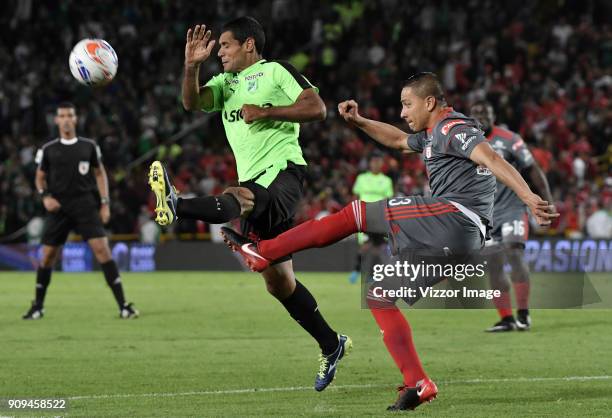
x=71, y=141
x=445, y=111
x=250, y=67
x=490, y=135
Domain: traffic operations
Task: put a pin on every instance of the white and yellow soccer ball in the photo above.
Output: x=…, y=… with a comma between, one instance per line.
x=93, y=62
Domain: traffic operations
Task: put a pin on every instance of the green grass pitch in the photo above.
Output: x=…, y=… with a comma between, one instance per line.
x=216, y=344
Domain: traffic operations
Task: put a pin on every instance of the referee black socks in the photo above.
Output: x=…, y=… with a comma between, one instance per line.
x=211, y=209
x=43, y=278
x=111, y=274
x=302, y=307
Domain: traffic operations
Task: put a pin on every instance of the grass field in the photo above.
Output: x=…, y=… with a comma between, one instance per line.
x=215, y=344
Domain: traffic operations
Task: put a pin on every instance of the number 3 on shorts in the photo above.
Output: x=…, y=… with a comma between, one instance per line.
x=399, y=201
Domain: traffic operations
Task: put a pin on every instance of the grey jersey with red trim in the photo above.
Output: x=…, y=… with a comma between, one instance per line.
x=446, y=151
x=512, y=148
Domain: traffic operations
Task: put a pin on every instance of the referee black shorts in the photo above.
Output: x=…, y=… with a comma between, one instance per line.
x=275, y=206
x=81, y=213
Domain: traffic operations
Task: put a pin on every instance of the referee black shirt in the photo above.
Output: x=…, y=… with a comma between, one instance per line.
x=68, y=165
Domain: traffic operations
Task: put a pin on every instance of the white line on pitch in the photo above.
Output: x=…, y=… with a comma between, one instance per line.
x=303, y=388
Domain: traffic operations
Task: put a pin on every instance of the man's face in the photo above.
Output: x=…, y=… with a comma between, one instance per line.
x=66, y=119
x=376, y=164
x=484, y=115
x=232, y=53
x=415, y=109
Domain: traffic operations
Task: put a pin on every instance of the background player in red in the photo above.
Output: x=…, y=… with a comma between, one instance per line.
x=510, y=223
x=460, y=163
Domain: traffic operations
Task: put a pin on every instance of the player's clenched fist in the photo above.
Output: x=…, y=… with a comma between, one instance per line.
x=251, y=113
x=51, y=204
x=198, y=45
x=349, y=110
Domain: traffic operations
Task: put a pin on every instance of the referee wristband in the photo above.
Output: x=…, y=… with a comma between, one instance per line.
x=104, y=201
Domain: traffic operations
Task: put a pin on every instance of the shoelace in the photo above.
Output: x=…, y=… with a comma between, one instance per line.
x=323, y=362
x=175, y=190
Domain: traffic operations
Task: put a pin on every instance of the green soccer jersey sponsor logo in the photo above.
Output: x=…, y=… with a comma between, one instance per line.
x=236, y=114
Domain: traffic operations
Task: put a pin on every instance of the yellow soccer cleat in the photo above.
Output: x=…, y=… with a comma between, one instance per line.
x=165, y=193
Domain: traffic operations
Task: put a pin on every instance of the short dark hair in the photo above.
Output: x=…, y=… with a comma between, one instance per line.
x=426, y=84
x=376, y=154
x=66, y=105
x=483, y=103
x=247, y=27
x=486, y=105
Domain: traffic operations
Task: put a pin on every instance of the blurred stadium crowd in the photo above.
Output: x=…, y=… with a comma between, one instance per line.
x=545, y=66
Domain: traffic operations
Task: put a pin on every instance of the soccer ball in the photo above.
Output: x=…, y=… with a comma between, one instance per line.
x=93, y=62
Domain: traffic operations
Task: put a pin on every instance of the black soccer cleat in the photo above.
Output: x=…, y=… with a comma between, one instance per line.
x=506, y=324
x=128, y=311
x=35, y=312
x=411, y=397
x=523, y=320
x=328, y=365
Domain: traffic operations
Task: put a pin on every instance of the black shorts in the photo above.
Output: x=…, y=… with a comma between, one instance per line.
x=275, y=206
x=81, y=214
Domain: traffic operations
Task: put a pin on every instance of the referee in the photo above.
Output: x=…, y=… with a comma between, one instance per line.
x=72, y=183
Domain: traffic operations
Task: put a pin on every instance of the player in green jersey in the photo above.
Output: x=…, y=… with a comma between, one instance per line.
x=262, y=104
x=370, y=186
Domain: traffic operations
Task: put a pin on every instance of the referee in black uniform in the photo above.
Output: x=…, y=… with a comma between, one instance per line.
x=72, y=183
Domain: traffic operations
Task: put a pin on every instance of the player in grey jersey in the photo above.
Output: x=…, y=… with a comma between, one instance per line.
x=510, y=223
x=461, y=165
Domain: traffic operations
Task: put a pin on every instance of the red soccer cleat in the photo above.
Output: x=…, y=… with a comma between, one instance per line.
x=246, y=248
x=409, y=397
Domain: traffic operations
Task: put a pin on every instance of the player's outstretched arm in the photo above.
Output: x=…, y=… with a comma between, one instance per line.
x=197, y=49
x=308, y=107
x=386, y=134
x=484, y=155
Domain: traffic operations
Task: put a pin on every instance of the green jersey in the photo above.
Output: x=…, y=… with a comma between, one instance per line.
x=372, y=187
x=262, y=148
